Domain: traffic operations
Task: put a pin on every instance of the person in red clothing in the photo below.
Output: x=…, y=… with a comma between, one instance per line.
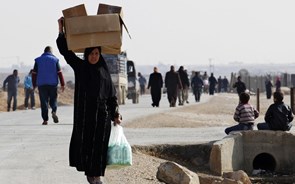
x=45, y=76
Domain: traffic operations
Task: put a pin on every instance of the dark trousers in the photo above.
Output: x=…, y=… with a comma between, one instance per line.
x=197, y=93
x=265, y=126
x=29, y=94
x=156, y=96
x=211, y=90
x=11, y=95
x=47, y=94
x=142, y=89
x=239, y=127
x=172, y=96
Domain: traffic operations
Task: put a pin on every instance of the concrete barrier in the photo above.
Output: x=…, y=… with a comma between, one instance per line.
x=249, y=150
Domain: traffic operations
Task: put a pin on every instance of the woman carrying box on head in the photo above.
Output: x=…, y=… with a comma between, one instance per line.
x=95, y=106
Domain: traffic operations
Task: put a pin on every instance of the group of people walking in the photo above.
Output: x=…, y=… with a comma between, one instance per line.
x=176, y=84
x=45, y=76
x=278, y=116
x=10, y=84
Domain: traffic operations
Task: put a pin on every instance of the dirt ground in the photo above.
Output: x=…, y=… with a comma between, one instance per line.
x=64, y=98
x=218, y=111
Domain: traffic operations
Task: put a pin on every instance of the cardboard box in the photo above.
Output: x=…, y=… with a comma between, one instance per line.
x=75, y=11
x=109, y=9
x=84, y=31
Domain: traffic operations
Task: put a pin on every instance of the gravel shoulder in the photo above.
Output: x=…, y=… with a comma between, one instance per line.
x=215, y=114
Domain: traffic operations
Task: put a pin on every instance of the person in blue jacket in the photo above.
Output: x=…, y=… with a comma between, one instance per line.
x=45, y=75
x=29, y=91
x=12, y=84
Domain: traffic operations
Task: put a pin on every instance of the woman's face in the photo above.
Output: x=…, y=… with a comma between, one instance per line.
x=93, y=57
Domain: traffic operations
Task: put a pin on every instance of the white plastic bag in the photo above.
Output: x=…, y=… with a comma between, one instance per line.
x=119, y=150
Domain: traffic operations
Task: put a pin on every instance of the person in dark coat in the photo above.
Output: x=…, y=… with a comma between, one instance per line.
x=278, y=84
x=225, y=84
x=142, y=83
x=12, y=84
x=172, y=83
x=219, y=85
x=268, y=88
x=185, y=85
x=156, y=84
x=212, y=84
x=95, y=106
x=278, y=116
x=197, y=86
x=240, y=85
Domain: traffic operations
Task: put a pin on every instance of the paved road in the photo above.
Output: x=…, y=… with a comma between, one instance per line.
x=31, y=153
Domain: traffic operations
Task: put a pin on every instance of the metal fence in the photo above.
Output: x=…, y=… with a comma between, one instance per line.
x=258, y=81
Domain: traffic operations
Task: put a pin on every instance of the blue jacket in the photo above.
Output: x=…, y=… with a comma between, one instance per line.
x=28, y=82
x=142, y=81
x=47, y=68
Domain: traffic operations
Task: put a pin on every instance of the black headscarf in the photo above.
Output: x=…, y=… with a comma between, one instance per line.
x=99, y=81
x=101, y=61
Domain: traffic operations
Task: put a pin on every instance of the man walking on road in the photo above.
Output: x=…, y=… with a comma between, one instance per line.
x=197, y=86
x=12, y=81
x=172, y=83
x=185, y=85
x=240, y=85
x=142, y=82
x=156, y=84
x=45, y=75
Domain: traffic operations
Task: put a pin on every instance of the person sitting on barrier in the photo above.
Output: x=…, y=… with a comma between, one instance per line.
x=245, y=115
x=278, y=115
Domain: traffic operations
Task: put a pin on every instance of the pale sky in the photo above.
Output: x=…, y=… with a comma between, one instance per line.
x=163, y=31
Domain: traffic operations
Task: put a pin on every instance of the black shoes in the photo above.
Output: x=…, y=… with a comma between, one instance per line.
x=54, y=117
x=94, y=180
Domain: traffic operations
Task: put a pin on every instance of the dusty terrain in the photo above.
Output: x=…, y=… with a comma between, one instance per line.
x=64, y=98
x=216, y=112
